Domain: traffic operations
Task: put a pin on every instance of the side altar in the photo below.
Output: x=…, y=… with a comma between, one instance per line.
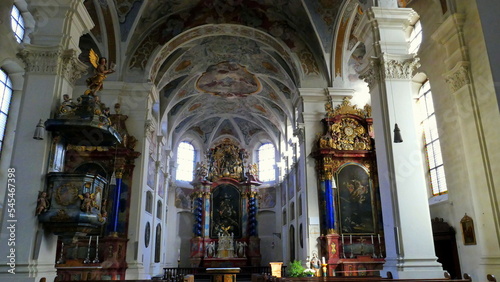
x=351, y=221
x=225, y=209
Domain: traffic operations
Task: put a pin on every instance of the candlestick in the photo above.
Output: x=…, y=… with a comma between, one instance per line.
x=96, y=260
x=374, y=255
x=352, y=249
x=87, y=259
x=343, y=247
x=61, y=258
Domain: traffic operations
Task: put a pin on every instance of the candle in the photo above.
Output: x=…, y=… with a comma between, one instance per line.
x=97, y=242
x=90, y=240
x=342, y=239
x=378, y=239
x=323, y=260
x=350, y=236
x=372, y=239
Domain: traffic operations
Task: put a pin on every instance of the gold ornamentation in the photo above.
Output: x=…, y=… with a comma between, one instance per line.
x=347, y=108
x=333, y=248
x=226, y=160
x=66, y=194
x=348, y=134
x=87, y=148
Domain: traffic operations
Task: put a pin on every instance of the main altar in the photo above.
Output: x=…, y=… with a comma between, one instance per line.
x=225, y=205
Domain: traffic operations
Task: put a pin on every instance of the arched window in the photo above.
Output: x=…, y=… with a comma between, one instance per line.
x=149, y=201
x=158, y=243
x=432, y=144
x=266, y=162
x=185, y=161
x=159, y=209
x=17, y=23
x=5, y=96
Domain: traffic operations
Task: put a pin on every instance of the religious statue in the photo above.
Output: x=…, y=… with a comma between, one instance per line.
x=201, y=171
x=240, y=249
x=67, y=105
x=42, y=203
x=253, y=169
x=87, y=202
x=315, y=264
x=210, y=249
x=100, y=72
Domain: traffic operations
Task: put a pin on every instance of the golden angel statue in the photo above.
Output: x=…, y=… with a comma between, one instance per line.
x=101, y=70
x=87, y=202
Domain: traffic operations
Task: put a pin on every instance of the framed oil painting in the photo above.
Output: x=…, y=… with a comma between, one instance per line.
x=468, y=232
x=226, y=212
x=355, y=200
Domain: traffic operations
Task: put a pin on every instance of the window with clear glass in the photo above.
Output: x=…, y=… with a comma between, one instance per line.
x=6, y=95
x=17, y=23
x=432, y=144
x=415, y=38
x=266, y=162
x=185, y=162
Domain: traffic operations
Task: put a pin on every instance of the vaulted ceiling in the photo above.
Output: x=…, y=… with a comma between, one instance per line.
x=224, y=68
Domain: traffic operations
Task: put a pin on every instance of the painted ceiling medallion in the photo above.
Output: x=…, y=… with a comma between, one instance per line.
x=228, y=79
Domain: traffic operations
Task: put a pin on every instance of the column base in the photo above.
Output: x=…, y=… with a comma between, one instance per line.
x=415, y=268
x=135, y=270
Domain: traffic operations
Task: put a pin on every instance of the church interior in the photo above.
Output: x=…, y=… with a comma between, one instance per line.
x=354, y=136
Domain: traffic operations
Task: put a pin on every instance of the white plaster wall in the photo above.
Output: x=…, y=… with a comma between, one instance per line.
x=463, y=156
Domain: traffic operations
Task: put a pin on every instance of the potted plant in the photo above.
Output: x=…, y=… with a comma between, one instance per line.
x=295, y=269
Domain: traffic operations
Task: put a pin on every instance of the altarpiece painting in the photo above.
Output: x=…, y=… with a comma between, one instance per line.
x=355, y=199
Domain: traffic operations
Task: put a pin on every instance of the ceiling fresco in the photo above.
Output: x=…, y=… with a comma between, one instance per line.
x=228, y=68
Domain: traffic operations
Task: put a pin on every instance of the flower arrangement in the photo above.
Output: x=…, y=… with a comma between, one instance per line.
x=309, y=272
